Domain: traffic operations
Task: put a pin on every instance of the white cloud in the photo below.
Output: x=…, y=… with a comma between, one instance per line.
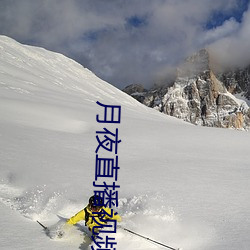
x=228, y=28
x=233, y=50
x=97, y=33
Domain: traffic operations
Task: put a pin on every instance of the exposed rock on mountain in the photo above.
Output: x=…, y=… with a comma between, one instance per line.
x=199, y=96
x=136, y=90
x=237, y=81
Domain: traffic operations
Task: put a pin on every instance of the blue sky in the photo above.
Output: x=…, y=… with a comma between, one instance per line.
x=131, y=41
x=218, y=17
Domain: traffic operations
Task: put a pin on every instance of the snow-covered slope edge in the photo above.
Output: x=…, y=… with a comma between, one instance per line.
x=35, y=74
x=183, y=185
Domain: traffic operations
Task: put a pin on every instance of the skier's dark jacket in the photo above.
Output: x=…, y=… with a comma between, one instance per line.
x=91, y=219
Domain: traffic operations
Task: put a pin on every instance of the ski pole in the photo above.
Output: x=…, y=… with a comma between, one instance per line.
x=159, y=243
x=45, y=228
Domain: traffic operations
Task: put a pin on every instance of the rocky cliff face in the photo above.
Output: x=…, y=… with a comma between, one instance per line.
x=201, y=97
x=237, y=81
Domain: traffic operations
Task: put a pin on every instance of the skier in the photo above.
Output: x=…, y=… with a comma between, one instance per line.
x=95, y=215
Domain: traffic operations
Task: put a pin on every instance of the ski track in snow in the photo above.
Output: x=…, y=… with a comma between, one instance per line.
x=32, y=204
x=145, y=214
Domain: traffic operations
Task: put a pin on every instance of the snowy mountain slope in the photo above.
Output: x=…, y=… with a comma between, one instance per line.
x=182, y=185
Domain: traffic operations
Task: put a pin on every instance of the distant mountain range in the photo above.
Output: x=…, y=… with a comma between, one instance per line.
x=201, y=94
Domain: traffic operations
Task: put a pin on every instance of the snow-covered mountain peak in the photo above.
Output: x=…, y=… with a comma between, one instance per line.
x=200, y=96
x=197, y=64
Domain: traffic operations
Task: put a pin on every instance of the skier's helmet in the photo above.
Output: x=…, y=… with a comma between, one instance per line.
x=95, y=202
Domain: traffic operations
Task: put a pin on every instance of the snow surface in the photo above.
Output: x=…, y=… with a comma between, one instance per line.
x=182, y=185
